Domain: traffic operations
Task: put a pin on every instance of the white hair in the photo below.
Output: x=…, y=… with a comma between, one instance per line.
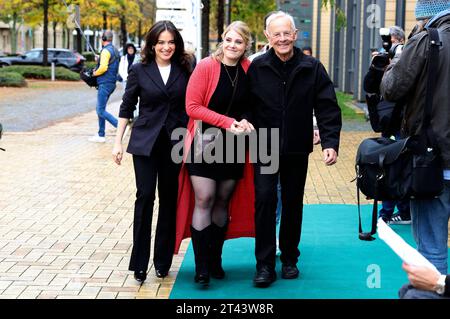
x=277, y=15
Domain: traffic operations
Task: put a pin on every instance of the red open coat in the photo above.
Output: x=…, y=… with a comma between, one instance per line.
x=241, y=211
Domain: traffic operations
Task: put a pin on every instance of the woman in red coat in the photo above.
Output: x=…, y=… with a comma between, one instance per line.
x=214, y=197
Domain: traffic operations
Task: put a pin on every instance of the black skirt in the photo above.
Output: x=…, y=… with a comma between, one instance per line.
x=218, y=171
x=222, y=103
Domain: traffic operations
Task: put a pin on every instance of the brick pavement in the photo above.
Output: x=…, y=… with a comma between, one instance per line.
x=67, y=211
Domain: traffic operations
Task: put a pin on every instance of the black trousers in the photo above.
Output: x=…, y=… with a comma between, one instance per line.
x=148, y=170
x=292, y=173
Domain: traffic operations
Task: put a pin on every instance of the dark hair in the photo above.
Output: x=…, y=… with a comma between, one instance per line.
x=397, y=33
x=307, y=49
x=151, y=39
x=128, y=45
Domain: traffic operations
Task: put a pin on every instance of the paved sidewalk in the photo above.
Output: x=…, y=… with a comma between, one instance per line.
x=43, y=103
x=67, y=211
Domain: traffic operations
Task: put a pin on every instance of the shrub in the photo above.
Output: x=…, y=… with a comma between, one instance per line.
x=42, y=72
x=12, y=79
x=90, y=57
x=90, y=64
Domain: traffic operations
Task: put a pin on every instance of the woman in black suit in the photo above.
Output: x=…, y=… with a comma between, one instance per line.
x=159, y=82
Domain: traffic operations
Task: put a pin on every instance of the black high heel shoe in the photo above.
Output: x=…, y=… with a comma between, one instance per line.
x=140, y=275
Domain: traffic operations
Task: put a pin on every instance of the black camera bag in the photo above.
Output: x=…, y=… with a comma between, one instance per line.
x=87, y=75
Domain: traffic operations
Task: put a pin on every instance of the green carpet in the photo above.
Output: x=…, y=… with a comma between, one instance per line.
x=334, y=263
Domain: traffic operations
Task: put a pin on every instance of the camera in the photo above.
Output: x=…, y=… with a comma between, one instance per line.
x=385, y=34
x=382, y=59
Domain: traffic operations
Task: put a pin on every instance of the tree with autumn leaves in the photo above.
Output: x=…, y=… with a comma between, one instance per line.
x=130, y=16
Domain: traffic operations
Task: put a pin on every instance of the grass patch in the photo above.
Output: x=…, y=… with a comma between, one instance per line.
x=41, y=72
x=13, y=79
x=347, y=112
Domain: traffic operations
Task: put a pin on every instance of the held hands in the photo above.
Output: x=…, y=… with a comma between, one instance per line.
x=117, y=153
x=329, y=156
x=241, y=127
x=246, y=125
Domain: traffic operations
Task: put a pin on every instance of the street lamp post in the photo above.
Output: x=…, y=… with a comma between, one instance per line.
x=88, y=33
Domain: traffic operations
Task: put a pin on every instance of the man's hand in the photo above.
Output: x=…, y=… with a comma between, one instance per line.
x=236, y=128
x=316, y=137
x=329, y=156
x=246, y=126
x=422, y=278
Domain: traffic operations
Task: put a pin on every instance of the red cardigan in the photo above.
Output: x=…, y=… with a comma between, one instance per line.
x=241, y=210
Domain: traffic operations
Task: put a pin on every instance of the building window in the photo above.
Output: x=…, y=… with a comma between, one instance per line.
x=302, y=11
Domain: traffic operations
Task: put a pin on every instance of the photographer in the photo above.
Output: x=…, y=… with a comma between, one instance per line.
x=385, y=116
x=407, y=78
x=106, y=73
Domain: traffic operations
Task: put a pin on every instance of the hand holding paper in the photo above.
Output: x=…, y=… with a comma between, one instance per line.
x=407, y=253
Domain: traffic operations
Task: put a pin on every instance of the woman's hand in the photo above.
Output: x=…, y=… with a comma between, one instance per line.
x=117, y=153
x=236, y=128
x=246, y=126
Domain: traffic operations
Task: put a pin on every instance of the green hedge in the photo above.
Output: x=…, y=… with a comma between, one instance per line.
x=12, y=79
x=90, y=57
x=90, y=64
x=41, y=72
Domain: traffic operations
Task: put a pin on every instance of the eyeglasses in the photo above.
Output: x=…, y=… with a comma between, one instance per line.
x=285, y=34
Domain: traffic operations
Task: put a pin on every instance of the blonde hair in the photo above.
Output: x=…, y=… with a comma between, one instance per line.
x=243, y=30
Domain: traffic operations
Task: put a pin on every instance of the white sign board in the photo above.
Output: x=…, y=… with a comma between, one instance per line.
x=174, y=4
x=180, y=18
x=187, y=20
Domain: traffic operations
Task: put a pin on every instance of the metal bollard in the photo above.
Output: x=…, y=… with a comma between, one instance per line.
x=53, y=71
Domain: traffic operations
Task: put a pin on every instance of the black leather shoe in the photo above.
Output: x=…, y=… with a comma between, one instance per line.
x=140, y=275
x=289, y=271
x=202, y=279
x=161, y=273
x=217, y=272
x=264, y=277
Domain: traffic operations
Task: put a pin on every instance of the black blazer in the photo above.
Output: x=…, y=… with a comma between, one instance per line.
x=160, y=106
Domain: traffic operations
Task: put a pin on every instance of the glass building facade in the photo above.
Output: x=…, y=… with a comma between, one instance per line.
x=302, y=11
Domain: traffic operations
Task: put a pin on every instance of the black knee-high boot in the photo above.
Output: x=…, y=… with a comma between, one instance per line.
x=217, y=240
x=201, y=242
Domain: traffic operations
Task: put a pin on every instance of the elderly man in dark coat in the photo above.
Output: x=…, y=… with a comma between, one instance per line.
x=286, y=87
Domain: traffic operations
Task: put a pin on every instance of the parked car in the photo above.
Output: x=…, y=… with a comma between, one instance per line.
x=62, y=57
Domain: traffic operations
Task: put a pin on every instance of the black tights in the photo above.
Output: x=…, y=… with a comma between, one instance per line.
x=211, y=201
